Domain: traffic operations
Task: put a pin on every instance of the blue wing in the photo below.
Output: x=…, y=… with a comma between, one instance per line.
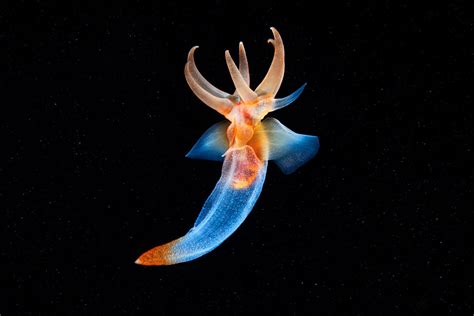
x=288, y=149
x=212, y=144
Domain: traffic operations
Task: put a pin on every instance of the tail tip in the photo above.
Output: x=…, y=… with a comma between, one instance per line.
x=157, y=256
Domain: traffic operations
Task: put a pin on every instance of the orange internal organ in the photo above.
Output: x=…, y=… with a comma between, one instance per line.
x=247, y=167
x=245, y=175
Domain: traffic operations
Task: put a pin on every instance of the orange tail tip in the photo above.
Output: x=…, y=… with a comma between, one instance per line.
x=158, y=256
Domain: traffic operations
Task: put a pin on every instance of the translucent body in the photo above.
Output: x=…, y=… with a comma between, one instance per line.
x=245, y=143
x=222, y=213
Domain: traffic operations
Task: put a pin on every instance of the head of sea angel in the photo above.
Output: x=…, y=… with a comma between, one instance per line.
x=245, y=108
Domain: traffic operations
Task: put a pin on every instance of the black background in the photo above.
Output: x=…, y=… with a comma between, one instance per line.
x=98, y=117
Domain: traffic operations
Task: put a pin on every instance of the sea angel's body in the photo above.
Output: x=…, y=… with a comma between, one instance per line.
x=245, y=143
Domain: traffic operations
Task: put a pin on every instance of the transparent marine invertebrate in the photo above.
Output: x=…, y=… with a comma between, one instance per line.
x=245, y=143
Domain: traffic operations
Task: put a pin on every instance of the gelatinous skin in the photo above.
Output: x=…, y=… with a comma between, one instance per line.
x=245, y=142
x=226, y=208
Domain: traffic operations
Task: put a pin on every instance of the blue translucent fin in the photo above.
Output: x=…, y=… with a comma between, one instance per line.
x=212, y=144
x=288, y=149
x=281, y=103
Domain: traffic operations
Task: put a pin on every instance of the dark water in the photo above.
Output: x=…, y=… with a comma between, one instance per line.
x=96, y=118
